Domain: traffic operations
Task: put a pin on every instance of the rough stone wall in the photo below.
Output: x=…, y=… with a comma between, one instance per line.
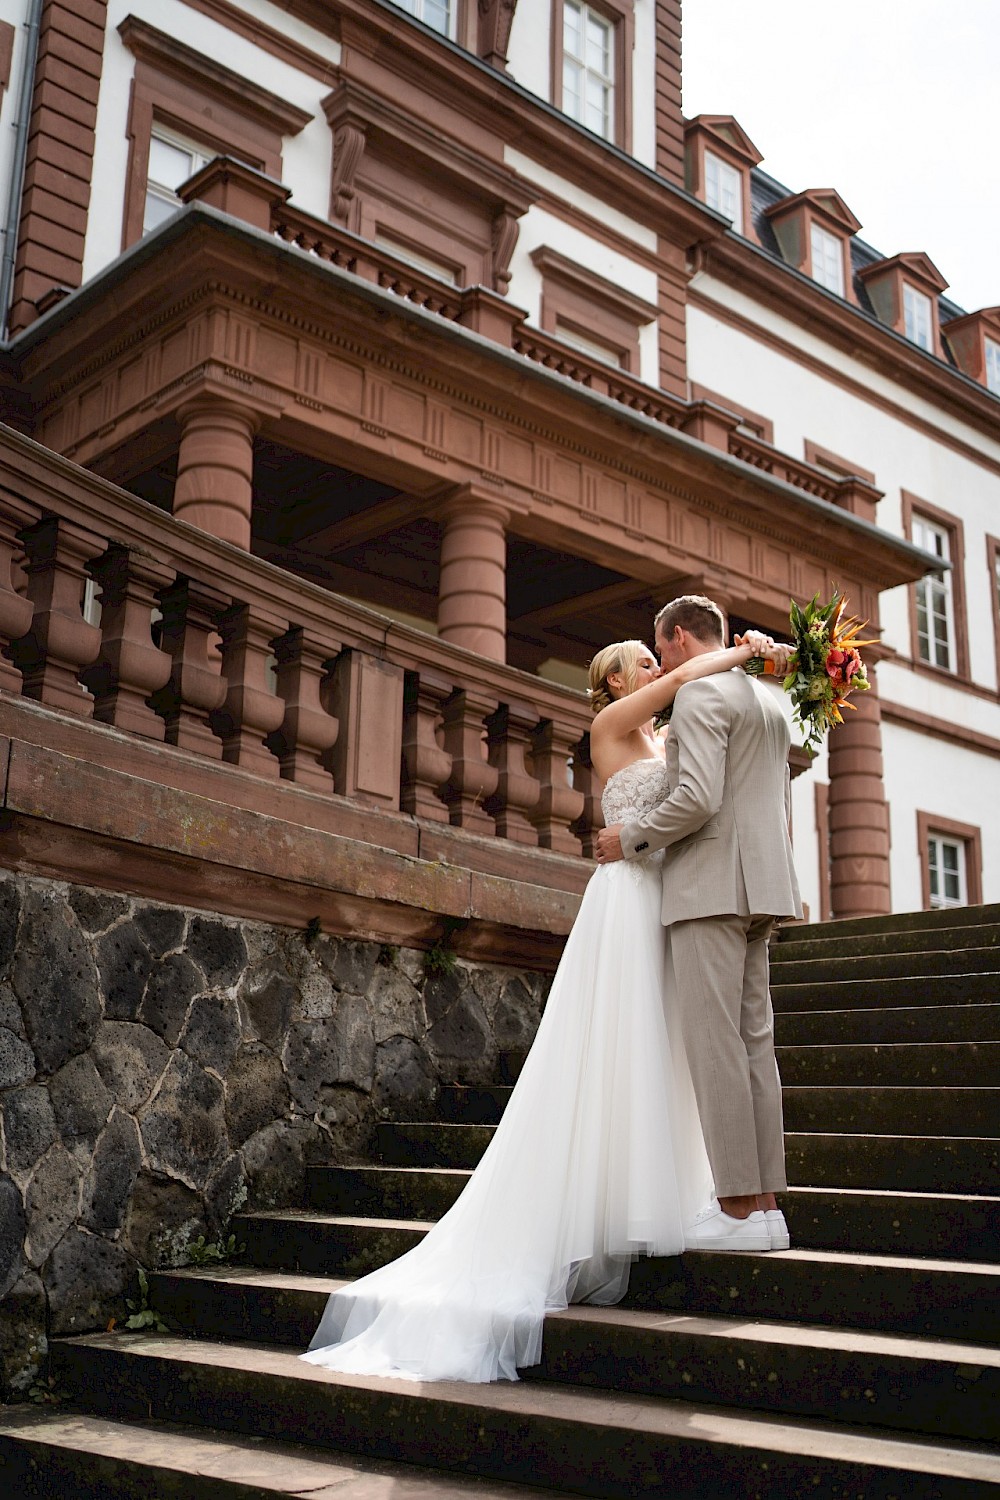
x=162, y=1068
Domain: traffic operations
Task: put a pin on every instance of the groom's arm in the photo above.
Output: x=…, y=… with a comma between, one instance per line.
x=700, y=725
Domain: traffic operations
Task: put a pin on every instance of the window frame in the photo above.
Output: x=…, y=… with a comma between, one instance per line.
x=920, y=300
x=993, y=566
x=452, y=5
x=833, y=247
x=724, y=167
x=579, y=301
x=620, y=14
x=969, y=836
x=959, y=670
x=991, y=357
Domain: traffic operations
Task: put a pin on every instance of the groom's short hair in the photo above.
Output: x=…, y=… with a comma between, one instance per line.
x=698, y=615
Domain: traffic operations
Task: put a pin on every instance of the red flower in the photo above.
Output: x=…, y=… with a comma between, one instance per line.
x=842, y=666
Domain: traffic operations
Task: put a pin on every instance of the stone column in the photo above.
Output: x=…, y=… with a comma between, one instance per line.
x=472, y=595
x=859, y=815
x=214, y=488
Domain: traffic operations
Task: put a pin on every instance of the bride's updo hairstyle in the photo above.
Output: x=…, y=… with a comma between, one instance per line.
x=620, y=656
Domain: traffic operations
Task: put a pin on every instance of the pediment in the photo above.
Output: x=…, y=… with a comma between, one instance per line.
x=726, y=131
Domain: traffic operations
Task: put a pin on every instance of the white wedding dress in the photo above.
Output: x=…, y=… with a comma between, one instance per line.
x=598, y=1157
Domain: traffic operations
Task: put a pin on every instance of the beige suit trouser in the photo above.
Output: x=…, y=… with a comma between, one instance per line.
x=717, y=969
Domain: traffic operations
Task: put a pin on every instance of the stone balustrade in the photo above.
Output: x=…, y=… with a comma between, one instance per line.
x=208, y=651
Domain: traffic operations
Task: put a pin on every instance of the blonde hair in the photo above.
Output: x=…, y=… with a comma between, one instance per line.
x=620, y=656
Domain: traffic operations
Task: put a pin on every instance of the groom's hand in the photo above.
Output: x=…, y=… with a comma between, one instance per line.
x=609, y=845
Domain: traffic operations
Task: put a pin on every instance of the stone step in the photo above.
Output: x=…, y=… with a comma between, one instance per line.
x=791, y=948
x=481, y=1104
x=906, y=1163
x=952, y=1227
x=906, y=921
x=927, y=1112
x=912, y=966
x=869, y=993
x=913, y=1384
x=892, y=1294
x=594, y=1442
x=73, y=1455
x=898, y=1025
x=960, y=1065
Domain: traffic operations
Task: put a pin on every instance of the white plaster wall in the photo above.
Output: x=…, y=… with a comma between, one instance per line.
x=306, y=157
x=909, y=445
x=529, y=54
x=15, y=13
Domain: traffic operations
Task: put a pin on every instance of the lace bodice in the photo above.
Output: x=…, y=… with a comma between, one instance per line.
x=634, y=790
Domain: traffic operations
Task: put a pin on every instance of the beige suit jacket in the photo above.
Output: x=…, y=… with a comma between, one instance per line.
x=724, y=825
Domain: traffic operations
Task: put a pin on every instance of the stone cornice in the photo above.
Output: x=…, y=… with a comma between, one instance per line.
x=235, y=265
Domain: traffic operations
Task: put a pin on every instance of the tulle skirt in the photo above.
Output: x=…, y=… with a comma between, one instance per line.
x=598, y=1158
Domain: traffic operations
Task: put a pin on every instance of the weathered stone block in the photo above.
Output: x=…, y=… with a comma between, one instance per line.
x=395, y=1005
x=55, y=980
x=23, y=1344
x=184, y=1127
x=108, y=1185
x=352, y=965
x=256, y=1092
x=172, y=986
x=269, y=999
x=161, y=1220
x=17, y=1061
x=212, y=1031
x=321, y=1053
x=96, y=910
x=218, y=949
x=459, y=1040
x=85, y=1277
x=124, y=963
x=81, y=1102
x=225, y=1193
x=12, y=1223
x=275, y=1161
x=10, y=1012
x=405, y=1083
x=52, y=1203
x=29, y=1126
x=318, y=1000
x=130, y=1059
x=10, y=911
x=162, y=928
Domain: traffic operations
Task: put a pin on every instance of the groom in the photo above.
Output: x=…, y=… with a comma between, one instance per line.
x=727, y=874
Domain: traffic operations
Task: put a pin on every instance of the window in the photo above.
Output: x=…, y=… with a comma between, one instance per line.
x=945, y=871
x=724, y=189
x=917, y=316
x=433, y=13
x=585, y=345
x=415, y=259
x=935, y=623
x=827, y=254
x=993, y=366
x=172, y=161
x=588, y=65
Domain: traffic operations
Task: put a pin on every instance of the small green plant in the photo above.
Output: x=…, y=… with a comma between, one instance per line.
x=439, y=960
x=312, y=932
x=45, y=1391
x=144, y=1316
x=387, y=955
x=200, y=1252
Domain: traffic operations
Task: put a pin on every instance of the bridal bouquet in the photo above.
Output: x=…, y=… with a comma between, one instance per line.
x=826, y=667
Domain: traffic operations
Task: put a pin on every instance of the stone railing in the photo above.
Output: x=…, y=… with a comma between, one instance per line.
x=203, y=647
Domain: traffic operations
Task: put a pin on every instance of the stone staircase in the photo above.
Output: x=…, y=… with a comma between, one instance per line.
x=864, y=1362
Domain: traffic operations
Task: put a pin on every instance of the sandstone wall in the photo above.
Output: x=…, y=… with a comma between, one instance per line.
x=162, y=1068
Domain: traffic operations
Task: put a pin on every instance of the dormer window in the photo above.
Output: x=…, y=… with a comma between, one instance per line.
x=917, y=316
x=827, y=254
x=993, y=367
x=724, y=189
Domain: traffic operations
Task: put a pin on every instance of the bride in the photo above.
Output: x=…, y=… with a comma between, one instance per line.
x=599, y=1156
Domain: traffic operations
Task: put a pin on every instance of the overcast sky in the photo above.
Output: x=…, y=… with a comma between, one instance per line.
x=890, y=102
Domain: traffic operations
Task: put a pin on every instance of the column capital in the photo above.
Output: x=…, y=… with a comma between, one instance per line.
x=472, y=501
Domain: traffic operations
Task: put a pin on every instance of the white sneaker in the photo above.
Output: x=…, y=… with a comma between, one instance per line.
x=715, y=1230
x=777, y=1229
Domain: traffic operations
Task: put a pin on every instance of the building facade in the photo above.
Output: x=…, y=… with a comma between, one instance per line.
x=367, y=367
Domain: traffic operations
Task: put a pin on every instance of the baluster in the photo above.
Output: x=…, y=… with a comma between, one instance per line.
x=471, y=779
x=129, y=667
x=191, y=616
x=15, y=609
x=586, y=780
x=307, y=731
x=517, y=793
x=425, y=765
x=59, y=642
x=559, y=803
x=251, y=710
x=366, y=695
